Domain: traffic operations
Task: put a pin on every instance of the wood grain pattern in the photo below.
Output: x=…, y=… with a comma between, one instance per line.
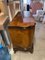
x=22, y=34
x=22, y=22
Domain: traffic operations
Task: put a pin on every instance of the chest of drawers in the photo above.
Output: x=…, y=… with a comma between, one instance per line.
x=22, y=33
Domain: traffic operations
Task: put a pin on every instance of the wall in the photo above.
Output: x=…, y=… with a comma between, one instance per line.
x=44, y=6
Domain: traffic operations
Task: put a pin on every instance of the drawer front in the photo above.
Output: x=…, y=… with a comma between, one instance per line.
x=21, y=37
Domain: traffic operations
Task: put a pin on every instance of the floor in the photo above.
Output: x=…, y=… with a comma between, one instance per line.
x=39, y=46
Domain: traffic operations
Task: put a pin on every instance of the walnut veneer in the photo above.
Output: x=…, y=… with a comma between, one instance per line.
x=22, y=32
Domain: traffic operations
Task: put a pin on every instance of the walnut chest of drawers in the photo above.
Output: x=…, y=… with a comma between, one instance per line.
x=22, y=33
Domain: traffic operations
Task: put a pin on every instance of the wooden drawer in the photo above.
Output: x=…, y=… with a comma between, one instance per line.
x=22, y=37
x=22, y=32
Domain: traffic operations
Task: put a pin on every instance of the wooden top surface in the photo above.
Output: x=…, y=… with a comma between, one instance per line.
x=3, y=20
x=19, y=21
